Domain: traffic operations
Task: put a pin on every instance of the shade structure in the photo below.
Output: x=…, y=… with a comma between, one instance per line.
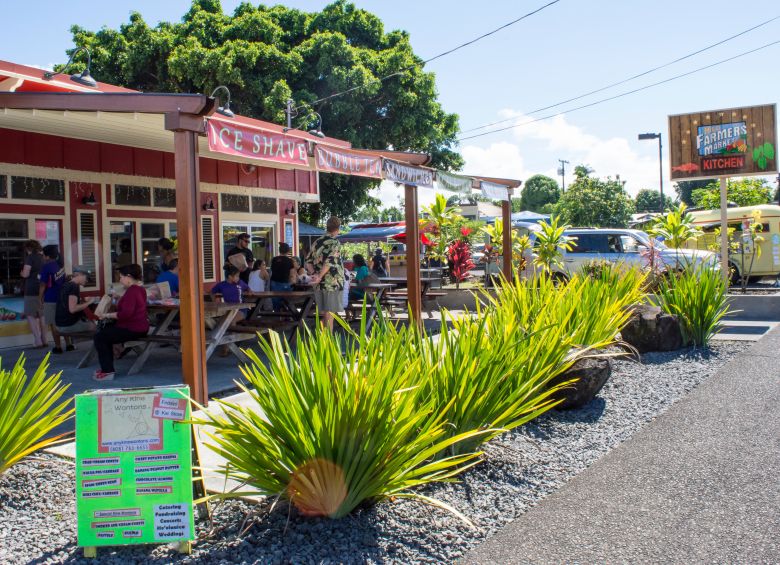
x=306, y=230
x=375, y=232
x=528, y=216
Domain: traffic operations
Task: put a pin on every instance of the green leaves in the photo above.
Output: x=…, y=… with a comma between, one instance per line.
x=592, y=202
x=550, y=244
x=762, y=154
x=676, y=227
x=743, y=192
x=697, y=296
x=29, y=411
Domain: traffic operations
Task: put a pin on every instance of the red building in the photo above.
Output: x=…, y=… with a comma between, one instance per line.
x=101, y=186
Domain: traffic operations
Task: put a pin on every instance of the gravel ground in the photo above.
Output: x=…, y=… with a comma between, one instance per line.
x=37, y=506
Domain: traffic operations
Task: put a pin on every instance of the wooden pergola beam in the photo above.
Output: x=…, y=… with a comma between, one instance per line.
x=198, y=104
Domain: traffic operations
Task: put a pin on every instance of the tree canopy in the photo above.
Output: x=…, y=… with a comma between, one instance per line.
x=648, y=200
x=592, y=202
x=266, y=55
x=538, y=191
x=685, y=188
x=743, y=192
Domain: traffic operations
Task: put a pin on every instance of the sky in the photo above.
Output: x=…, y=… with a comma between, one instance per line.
x=567, y=49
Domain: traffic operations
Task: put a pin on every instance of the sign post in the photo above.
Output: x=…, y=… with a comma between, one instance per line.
x=733, y=142
x=134, y=468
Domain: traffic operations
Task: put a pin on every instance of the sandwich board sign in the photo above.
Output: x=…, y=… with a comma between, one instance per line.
x=723, y=143
x=133, y=467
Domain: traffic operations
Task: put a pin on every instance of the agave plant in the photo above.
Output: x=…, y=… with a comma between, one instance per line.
x=698, y=298
x=335, y=424
x=30, y=409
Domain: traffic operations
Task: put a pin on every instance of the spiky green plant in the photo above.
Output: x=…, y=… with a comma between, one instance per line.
x=29, y=411
x=697, y=296
x=336, y=423
x=550, y=244
x=676, y=227
x=490, y=373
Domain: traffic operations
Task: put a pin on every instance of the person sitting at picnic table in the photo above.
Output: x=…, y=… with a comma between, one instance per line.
x=232, y=290
x=132, y=321
x=171, y=276
x=361, y=272
x=329, y=271
x=52, y=278
x=379, y=263
x=301, y=276
x=259, y=276
x=165, y=250
x=282, y=273
x=71, y=314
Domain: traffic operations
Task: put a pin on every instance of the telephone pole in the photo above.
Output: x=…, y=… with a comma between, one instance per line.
x=562, y=172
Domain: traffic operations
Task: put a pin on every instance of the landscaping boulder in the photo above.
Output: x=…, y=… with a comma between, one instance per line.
x=650, y=329
x=591, y=374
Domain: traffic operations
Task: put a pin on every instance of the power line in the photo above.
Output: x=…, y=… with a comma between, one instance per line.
x=622, y=94
x=426, y=61
x=647, y=72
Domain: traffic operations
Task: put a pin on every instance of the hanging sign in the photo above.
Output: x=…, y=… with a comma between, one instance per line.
x=494, y=191
x=237, y=139
x=407, y=174
x=133, y=466
x=723, y=143
x=455, y=183
x=346, y=162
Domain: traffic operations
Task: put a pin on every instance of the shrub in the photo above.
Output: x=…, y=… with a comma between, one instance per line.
x=489, y=372
x=29, y=411
x=697, y=296
x=335, y=425
x=550, y=244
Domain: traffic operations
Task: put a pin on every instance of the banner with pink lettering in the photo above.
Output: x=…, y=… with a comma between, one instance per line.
x=237, y=139
x=346, y=162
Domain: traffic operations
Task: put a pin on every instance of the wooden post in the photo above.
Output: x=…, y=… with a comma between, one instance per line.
x=724, y=232
x=506, y=216
x=193, y=330
x=414, y=289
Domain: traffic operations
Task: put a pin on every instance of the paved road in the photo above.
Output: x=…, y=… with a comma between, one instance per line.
x=700, y=484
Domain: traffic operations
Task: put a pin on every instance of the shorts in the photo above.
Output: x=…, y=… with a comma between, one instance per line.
x=50, y=312
x=329, y=300
x=78, y=327
x=33, y=306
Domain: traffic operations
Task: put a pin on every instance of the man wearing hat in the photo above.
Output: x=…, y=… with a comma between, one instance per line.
x=70, y=315
x=241, y=256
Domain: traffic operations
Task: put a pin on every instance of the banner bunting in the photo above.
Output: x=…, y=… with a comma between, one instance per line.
x=407, y=174
x=453, y=183
x=346, y=162
x=237, y=139
x=494, y=191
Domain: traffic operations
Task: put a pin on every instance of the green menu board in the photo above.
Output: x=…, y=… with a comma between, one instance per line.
x=133, y=466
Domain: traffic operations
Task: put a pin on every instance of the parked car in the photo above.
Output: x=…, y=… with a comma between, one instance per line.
x=622, y=246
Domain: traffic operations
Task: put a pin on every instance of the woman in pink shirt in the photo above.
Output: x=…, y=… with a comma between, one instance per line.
x=132, y=321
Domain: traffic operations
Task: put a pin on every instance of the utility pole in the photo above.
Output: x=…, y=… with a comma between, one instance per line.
x=645, y=136
x=562, y=172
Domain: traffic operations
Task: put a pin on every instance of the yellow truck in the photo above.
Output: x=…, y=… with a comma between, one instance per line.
x=767, y=262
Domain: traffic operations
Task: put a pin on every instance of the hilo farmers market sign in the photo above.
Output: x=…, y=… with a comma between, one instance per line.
x=723, y=143
x=133, y=466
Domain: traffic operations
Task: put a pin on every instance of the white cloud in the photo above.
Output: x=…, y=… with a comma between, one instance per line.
x=561, y=139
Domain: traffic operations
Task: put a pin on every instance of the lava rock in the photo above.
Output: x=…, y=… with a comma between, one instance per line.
x=650, y=329
x=591, y=375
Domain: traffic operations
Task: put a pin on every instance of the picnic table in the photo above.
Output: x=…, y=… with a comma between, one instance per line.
x=400, y=299
x=296, y=305
x=218, y=317
x=376, y=299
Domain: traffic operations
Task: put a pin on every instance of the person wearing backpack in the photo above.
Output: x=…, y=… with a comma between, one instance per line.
x=379, y=263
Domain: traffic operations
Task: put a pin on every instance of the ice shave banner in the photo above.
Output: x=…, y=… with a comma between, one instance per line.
x=233, y=138
x=723, y=143
x=133, y=466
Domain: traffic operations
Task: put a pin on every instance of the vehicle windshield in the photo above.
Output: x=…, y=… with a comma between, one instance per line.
x=645, y=239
